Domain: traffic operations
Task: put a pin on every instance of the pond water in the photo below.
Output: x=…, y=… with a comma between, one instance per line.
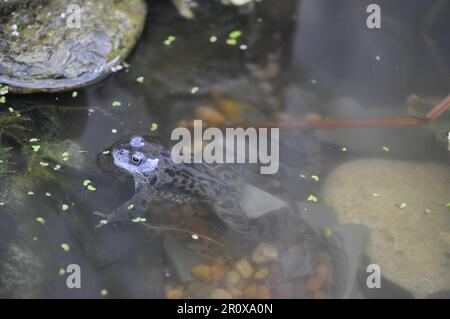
x=344, y=198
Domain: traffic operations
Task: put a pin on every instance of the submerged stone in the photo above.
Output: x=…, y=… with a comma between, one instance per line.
x=57, y=45
x=410, y=244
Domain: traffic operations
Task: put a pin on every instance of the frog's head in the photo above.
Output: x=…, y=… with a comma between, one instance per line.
x=137, y=157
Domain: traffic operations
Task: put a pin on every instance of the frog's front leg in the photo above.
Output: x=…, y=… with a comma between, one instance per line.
x=128, y=211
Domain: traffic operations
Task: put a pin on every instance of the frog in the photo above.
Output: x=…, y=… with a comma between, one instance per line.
x=157, y=175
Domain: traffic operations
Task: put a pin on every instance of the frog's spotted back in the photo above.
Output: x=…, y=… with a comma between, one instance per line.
x=155, y=174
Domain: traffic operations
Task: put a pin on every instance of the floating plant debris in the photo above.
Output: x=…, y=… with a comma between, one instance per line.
x=194, y=90
x=4, y=89
x=104, y=292
x=36, y=148
x=170, y=39
x=231, y=41
x=233, y=36
x=65, y=156
x=140, y=79
x=88, y=185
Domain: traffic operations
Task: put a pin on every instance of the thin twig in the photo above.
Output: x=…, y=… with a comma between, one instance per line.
x=174, y=228
x=432, y=116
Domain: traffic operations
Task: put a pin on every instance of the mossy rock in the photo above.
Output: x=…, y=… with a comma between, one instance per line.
x=43, y=48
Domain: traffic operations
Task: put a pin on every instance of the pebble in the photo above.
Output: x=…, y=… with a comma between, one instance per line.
x=263, y=292
x=257, y=292
x=236, y=293
x=322, y=271
x=232, y=278
x=202, y=272
x=244, y=268
x=217, y=272
x=220, y=294
x=211, y=116
x=314, y=283
x=251, y=292
x=175, y=293
x=261, y=274
x=319, y=295
x=264, y=253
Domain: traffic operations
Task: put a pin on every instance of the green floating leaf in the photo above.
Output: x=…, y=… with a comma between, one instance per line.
x=86, y=182
x=328, y=232
x=36, y=148
x=4, y=89
x=104, y=292
x=231, y=42
x=235, y=34
x=140, y=79
x=170, y=39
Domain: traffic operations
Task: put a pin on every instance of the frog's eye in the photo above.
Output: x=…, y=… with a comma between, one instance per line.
x=137, y=158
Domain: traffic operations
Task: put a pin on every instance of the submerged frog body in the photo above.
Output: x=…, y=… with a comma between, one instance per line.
x=156, y=175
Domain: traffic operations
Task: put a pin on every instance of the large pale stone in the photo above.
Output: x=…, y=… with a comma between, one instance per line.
x=411, y=245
